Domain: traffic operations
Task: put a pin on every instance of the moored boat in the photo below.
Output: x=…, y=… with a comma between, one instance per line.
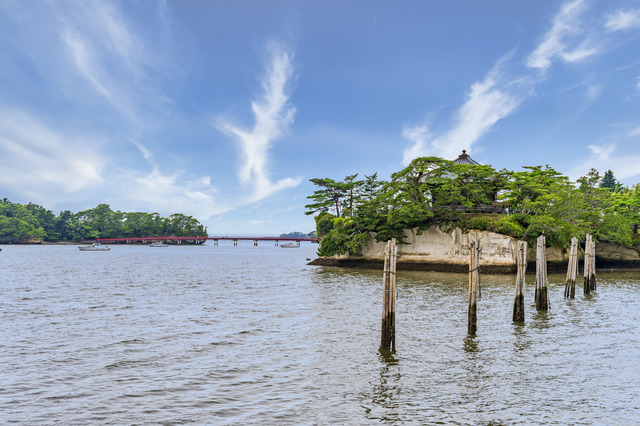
x=94, y=247
x=291, y=245
x=158, y=244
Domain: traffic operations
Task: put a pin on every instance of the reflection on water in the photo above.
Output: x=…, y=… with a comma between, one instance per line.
x=386, y=393
x=252, y=335
x=470, y=344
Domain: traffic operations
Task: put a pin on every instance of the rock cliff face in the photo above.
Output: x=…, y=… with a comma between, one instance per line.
x=436, y=250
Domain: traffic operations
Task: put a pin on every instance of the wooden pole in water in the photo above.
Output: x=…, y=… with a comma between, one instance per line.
x=572, y=271
x=392, y=277
x=592, y=270
x=474, y=276
x=388, y=335
x=518, y=303
x=542, y=302
x=587, y=264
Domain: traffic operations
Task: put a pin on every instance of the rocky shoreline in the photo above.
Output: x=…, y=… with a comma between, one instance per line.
x=554, y=267
x=438, y=251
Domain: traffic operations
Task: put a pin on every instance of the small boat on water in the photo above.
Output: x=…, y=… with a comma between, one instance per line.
x=158, y=244
x=94, y=247
x=291, y=245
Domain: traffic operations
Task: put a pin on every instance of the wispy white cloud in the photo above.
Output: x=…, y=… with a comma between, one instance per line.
x=499, y=95
x=273, y=117
x=171, y=193
x=106, y=74
x=420, y=137
x=623, y=20
x=164, y=192
x=565, y=40
x=87, y=64
x=488, y=102
x=145, y=152
x=605, y=157
x=118, y=64
x=593, y=92
x=40, y=161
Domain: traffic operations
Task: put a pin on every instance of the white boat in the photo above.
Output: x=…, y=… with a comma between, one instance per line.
x=94, y=247
x=290, y=245
x=158, y=244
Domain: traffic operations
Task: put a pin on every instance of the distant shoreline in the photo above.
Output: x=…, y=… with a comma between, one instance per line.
x=81, y=243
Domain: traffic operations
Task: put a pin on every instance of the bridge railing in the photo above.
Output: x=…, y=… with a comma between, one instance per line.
x=202, y=239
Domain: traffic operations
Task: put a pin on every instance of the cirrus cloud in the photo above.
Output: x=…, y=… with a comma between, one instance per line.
x=273, y=116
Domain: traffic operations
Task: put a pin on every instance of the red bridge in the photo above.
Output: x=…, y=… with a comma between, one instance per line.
x=201, y=240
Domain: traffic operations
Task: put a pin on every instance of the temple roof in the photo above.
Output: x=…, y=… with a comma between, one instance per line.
x=464, y=158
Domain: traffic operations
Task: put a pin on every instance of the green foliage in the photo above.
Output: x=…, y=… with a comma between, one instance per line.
x=500, y=224
x=481, y=223
x=615, y=228
x=324, y=224
x=344, y=238
x=432, y=191
x=32, y=222
x=335, y=196
x=18, y=224
x=507, y=226
x=609, y=182
x=295, y=234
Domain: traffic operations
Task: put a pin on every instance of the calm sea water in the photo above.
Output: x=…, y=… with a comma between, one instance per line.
x=247, y=335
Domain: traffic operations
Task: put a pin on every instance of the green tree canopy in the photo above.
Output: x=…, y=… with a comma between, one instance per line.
x=32, y=222
x=433, y=191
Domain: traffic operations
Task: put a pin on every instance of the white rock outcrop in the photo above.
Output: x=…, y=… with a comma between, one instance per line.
x=435, y=246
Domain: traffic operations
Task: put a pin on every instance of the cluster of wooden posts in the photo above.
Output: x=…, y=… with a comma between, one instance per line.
x=388, y=339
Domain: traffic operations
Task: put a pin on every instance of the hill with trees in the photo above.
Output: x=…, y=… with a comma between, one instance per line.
x=432, y=191
x=33, y=223
x=298, y=234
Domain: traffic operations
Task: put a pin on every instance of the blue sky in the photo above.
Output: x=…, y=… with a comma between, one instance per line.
x=225, y=109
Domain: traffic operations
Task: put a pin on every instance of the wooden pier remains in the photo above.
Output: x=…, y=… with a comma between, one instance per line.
x=589, y=265
x=388, y=335
x=474, y=279
x=572, y=271
x=518, y=303
x=542, y=301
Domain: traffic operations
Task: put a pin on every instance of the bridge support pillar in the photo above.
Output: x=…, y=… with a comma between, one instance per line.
x=276, y=243
x=255, y=243
x=235, y=242
x=215, y=242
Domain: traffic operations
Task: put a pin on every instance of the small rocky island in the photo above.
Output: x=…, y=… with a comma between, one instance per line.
x=433, y=207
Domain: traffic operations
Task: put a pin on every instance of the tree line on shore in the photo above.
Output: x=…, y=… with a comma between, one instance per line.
x=432, y=191
x=34, y=223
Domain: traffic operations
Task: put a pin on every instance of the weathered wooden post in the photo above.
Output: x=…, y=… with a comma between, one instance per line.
x=542, y=302
x=589, y=265
x=572, y=270
x=518, y=303
x=474, y=277
x=592, y=270
x=388, y=335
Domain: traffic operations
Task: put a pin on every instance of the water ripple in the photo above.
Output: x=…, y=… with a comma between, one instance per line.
x=246, y=335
